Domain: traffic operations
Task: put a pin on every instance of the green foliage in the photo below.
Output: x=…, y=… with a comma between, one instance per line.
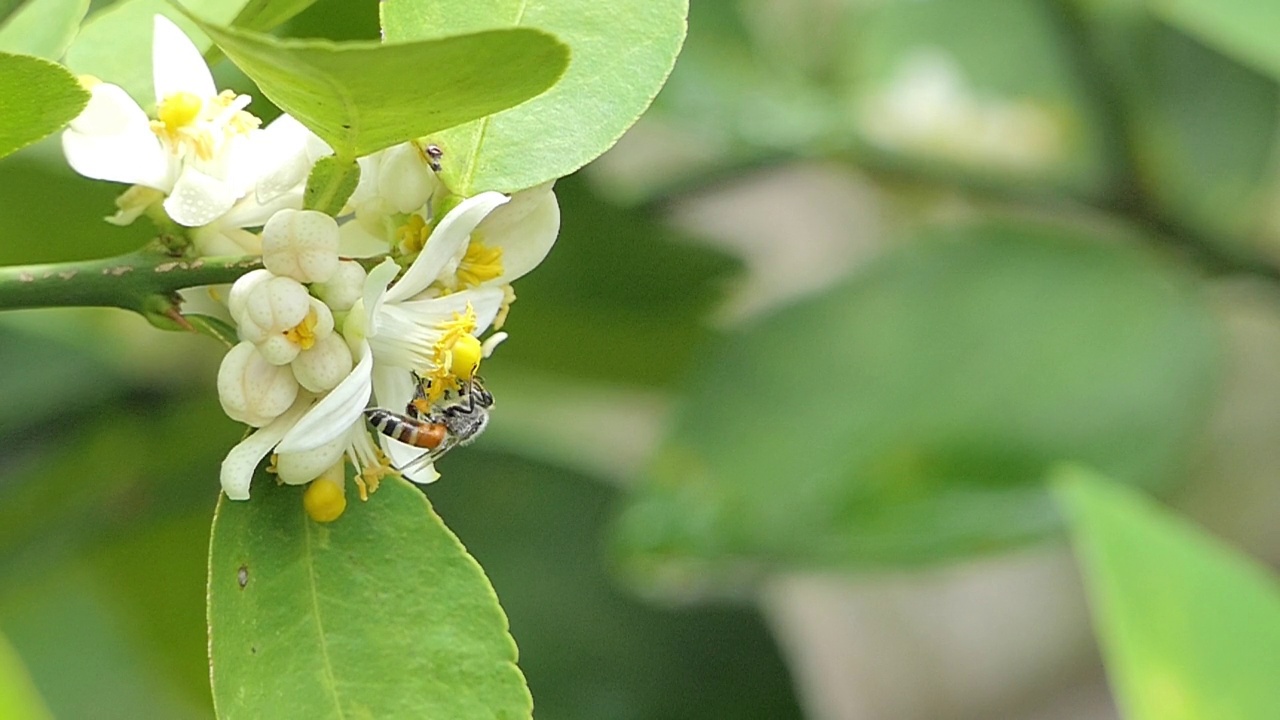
x=18, y=698
x=1243, y=29
x=363, y=97
x=43, y=28
x=114, y=45
x=910, y=415
x=262, y=15
x=622, y=53
x=37, y=97
x=330, y=183
x=1189, y=626
x=379, y=614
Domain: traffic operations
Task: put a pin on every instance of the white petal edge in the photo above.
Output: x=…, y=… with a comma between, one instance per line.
x=526, y=238
x=176, y=63
x=237, y=469
x=199, y=199
x=446, y=240
x=336, y=412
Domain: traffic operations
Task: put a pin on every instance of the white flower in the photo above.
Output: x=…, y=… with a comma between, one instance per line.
x=278, y=315
x=204, y=151
x=406, y=333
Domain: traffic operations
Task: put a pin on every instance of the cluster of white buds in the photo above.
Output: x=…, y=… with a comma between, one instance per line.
x=320, y=338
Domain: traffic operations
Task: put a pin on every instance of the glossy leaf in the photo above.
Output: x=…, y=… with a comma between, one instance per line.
x=361, y=97
x=330, y=183
x=43, y=28
x=115, y=44
x=263, y=15
x=622, y=54
x=1189, y=626
x=1243, y=29
x=379, y=614
x=910, y=414
x=18, y=697
x=37, y=97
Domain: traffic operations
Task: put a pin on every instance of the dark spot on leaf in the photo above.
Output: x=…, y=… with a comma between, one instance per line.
x=242, y=576
x=253, y=649
x=346, y=126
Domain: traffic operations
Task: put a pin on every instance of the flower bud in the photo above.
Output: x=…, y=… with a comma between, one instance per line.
x=325, y=365
x=252, y=390
x=241, y=288
x=301, y=244
x=273, y=307
x=405, y=179
x=344, y=288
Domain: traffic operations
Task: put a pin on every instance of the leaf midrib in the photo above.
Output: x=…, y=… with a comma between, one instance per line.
x=332, y=683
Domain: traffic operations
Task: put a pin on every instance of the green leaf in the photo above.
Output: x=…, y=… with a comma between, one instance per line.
x=622, y=53
x=43, y=28
x=909, y=415
x=1189, y=626
x=263, y=15
x=115, y=44
x=330, y=183
x=379, y=614
x=1243, y=29
x=361, y=96
x=18, y=697
x=37, y=97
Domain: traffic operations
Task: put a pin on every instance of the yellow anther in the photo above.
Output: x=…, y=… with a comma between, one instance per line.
x=480, y=264
x=179, y=110
x=464, y=359
x=304, y=333
x=412, y=235
x=442, y=376
x=325, y=499
x=369, y=479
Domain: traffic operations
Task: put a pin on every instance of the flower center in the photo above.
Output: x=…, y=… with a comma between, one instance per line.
x=179, y=110
x=189, y=122
x=481, y=263
x=412, y=235
x=304, y=333
x=443, y=376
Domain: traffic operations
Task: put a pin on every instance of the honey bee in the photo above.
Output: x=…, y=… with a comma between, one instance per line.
x=436, y=428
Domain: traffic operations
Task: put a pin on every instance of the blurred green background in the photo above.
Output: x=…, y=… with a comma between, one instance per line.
x=774, y=420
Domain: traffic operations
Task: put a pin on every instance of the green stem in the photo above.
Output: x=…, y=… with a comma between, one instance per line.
x=144, y=281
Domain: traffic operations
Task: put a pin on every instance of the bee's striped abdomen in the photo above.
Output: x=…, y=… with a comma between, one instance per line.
x=406, y=429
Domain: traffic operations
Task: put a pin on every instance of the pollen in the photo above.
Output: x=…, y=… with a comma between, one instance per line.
x=412, y=236
x=480, y=264
x=369, y=479
x=179, y=110
x=464, y=359
x=508, y=297
x=304, y=333
x=442, y=376
x=324, y=500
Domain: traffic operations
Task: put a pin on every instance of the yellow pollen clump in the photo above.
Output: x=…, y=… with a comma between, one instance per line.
x=442, y=376
x=412, y=236
x=304, y=333
x=179, y=110
x=508, y=297
x=325, y=500
x=480, y=264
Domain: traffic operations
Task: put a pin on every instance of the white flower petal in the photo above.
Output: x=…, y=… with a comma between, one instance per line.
x=405, y=179
x=237, y=468
x=198, y=199
x=355, y=240
x=288, y=150
x=297, y=468
x=485, y=302
x=525, y=229
x=444, y=244
x=375, y=291
x=336, y=412
x=177, y=65
x=112, y=140
x=249, y=212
